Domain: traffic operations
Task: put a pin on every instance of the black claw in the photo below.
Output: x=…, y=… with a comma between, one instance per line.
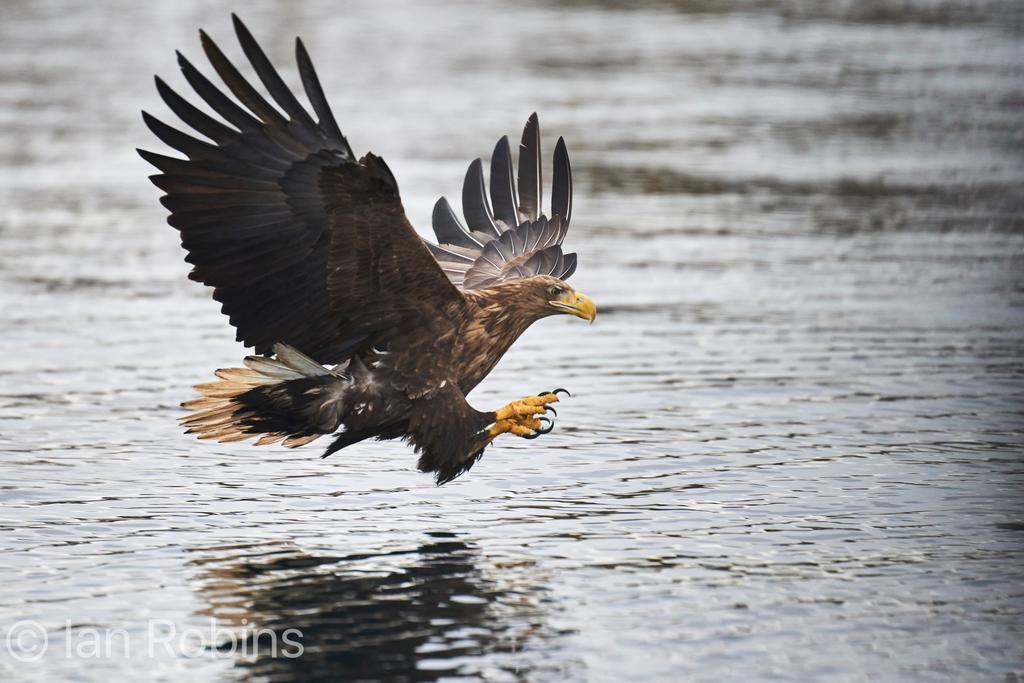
x=551, y=408
x=545, y=422
x=550, y=425
x=564, y=391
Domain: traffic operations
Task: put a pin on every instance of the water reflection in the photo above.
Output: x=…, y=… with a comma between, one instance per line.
x=413, y=615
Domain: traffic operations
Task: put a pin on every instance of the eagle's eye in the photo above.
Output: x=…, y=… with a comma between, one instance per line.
x=556, y=291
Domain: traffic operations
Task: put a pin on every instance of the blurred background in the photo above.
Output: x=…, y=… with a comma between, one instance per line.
x=794, y=450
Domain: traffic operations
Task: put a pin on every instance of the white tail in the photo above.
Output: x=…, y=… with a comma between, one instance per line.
x=290, y=398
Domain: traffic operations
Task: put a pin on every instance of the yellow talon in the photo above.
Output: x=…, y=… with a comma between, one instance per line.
x=500, y=427
x=521, y=430
x=518, y=426
x=531, y=405
x=522, y=417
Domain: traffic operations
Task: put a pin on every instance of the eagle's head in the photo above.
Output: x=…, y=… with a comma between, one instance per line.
x=546, y=295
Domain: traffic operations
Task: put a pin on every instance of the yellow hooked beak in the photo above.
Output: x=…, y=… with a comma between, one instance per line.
x=579, y=305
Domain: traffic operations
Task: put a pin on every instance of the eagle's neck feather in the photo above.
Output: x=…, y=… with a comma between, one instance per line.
x=498, y=320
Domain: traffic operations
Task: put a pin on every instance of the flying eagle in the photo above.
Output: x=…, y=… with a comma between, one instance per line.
x=361, y=327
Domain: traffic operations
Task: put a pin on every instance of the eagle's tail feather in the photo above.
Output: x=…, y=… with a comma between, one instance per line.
x=290, y=399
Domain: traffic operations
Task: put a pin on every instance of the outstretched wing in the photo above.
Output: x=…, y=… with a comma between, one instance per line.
x=302, y=243
x=514, y=239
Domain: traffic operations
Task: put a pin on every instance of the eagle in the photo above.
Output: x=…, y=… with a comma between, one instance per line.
x=361, y=328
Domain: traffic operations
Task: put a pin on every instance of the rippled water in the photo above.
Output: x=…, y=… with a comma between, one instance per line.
x=794, y=450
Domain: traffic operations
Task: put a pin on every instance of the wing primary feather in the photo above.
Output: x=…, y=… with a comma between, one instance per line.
x=530, y=182
x=240, y=87
x=211, y=183
x=207, y=125
x=164, y=163
x=198, y=169
x=268, y=74
x=474, y=201
x=210, y=167
x=561, y=185
x=186, y=144
x=315, y=93
x=439, y=251
x=447, y=227
x=569, y=266
x=212, y=95
x=503, y=188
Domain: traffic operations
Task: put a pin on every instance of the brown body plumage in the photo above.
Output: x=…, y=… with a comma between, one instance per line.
x=373, y=332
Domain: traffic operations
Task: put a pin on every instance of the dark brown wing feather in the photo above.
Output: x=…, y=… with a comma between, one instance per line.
x=515, y=239
x=301, y=243
x=383, y=282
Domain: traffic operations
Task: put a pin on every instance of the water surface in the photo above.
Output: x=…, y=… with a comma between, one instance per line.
x=794, y=446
